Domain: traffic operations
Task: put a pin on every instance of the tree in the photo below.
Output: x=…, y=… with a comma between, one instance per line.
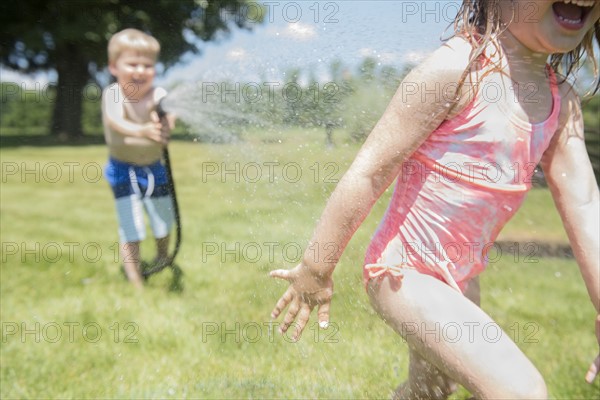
x=71, y=36
x=369, y=94
x=324, y=108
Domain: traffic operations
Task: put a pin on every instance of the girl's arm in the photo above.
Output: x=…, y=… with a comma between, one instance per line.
x=420, y=105
x=571, y=180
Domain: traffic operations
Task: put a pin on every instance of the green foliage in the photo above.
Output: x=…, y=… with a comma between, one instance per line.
x=350, y=101
x=36, y=34
x=71, y=37
x=364, y=107
x=23, y=110
x=26, y=111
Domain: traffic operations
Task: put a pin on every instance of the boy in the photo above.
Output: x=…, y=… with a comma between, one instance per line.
x=135, y=137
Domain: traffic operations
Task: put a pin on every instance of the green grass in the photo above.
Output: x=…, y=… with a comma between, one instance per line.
x=160, y=344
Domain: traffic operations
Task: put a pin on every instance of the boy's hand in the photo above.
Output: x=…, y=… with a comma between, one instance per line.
x=155, y=130
x=595, y=366
x=306, y=291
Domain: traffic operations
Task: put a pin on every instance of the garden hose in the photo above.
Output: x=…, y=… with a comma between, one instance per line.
x=171, y=184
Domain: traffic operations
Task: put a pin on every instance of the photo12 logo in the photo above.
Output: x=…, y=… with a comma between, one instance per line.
x=255, y=252
x=253, y=332
x=55, y=252
x=268, y=171
x=471, y=332
x=445, y=11
x=68, y=331
x=51, y=172
x=46, y=92
x=304, y=11
x=268, y=92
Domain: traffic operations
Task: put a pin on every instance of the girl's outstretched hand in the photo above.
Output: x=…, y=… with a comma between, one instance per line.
x=595, y=367
x=306, y=291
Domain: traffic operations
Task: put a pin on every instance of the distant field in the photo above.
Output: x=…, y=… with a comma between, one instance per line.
x=72, y=327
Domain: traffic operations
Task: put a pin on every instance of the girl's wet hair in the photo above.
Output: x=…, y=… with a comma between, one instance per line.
x=479, y=22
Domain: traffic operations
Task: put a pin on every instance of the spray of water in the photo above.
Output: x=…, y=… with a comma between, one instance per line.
x=211, y=117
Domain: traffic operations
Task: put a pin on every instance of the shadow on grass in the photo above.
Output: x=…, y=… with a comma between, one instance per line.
x=14, y=141
x=535, y=248
x=11, y=141
x=175, y=284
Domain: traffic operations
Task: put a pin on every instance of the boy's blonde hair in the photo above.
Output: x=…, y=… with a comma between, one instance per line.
x=479, y=22
x=132, y=39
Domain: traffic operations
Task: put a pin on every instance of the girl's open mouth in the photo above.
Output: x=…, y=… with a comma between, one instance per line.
x=571, y=14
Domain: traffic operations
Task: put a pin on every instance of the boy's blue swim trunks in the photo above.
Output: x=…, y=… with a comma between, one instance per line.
x=136, y=187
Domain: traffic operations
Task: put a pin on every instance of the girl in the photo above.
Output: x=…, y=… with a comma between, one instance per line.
x=462, y=135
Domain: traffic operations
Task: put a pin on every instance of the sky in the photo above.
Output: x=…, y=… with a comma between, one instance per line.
x=310, y=35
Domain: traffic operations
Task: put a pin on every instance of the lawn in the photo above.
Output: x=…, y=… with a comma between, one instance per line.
x=72, y=327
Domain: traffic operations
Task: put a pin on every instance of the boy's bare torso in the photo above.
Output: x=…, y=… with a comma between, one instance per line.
x=129, y=149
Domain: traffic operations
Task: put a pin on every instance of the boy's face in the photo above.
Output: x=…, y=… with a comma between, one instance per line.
x=134, y=73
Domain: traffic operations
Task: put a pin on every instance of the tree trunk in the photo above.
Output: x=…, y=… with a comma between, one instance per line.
x=329, y=133
x=73, y=74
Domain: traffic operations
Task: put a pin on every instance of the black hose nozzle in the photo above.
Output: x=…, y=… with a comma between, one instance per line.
x=160, y=109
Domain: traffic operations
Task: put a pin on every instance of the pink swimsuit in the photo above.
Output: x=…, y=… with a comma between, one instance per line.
x=460, y=187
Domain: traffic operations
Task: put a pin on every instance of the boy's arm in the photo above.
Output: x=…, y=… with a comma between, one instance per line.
x=114, y=116
x=413, y=113
x=158, y=96
x=570, y=177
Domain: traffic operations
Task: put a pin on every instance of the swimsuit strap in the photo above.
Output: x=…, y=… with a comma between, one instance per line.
x=376, y=270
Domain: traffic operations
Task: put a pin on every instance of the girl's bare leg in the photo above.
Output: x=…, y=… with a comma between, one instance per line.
x=424, y=379
x=460, y=341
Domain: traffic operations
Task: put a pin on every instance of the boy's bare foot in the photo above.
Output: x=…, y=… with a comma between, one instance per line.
x=133, y=275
